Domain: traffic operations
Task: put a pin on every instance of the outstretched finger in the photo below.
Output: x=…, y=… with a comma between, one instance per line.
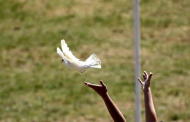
x=101, y=82
x=86, y=83
x=145, y=75
x=150, y=77
x=90, y=84
x=140, y=81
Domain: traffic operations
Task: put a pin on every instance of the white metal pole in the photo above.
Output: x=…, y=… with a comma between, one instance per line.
x=137, y=39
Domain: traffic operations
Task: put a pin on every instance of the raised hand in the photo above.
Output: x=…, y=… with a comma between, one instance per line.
x=114, y=111
x=145, y=83
x=150, y=113
x=100, y=89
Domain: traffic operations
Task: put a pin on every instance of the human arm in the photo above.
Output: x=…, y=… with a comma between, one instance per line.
x=150, y=112
x=111, y=106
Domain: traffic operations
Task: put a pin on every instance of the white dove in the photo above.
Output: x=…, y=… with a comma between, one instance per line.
x=71, y=61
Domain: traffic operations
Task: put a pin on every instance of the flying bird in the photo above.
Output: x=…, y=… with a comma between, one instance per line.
x=73, y=62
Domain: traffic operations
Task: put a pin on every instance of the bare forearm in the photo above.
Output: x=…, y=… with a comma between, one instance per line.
x=149, y=106
x=113, y=110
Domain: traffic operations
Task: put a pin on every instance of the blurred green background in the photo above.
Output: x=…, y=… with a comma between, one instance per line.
x=36, y=87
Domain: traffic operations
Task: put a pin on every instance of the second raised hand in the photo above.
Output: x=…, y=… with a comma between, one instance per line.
x=145, y=83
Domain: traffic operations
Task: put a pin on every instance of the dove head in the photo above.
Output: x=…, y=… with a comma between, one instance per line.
x=65, y=62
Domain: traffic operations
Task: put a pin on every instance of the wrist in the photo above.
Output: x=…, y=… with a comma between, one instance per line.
x=146, y=89
x=105, y=95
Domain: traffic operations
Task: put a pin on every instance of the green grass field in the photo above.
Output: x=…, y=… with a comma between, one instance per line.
x=36, y=87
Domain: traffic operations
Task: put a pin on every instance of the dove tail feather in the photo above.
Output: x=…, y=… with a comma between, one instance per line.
x=93, y=61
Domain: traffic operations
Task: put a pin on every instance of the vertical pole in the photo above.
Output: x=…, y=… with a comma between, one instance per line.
x=137, y=40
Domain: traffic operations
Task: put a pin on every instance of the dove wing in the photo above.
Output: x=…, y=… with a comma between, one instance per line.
x=67, y=52
x=60, y=53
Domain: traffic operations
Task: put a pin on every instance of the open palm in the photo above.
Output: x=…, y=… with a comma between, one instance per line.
x=145, y=83
x=100, y=89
